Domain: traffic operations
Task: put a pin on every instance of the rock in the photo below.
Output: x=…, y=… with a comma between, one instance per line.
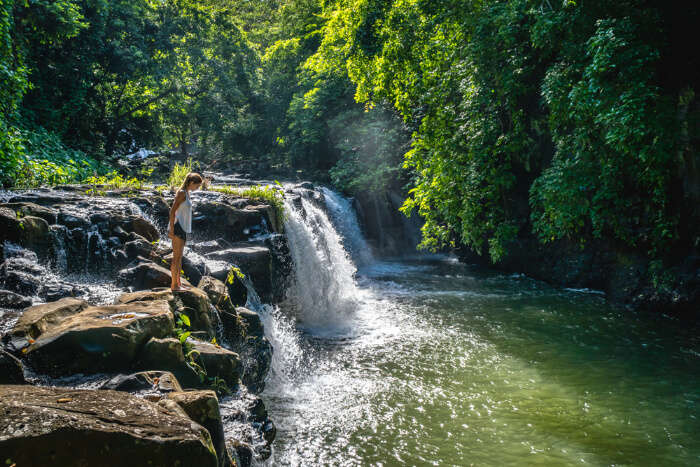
x=11, y=370
x=21, y=274
x=75, y=427
x=193, y=271
x=28, y=231
x=203, y=408
x=38, y=319
x=145, y=275
x=221, y=220
x=99, y=339
x=145, y=382
x=196, y=305
x=167, y=355
x=12, y=300
x=254, y=261
x=58, y=290
x=32, y=209
x=138, y=247
x=218, y=362
x=217, y=292
x=142, y=227
x=162, y=293
x=244, y=331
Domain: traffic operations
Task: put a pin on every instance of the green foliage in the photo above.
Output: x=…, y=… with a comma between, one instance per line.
x=515, y=100
x=112, y=181
x=38, y=157
x=178, y=173
x=233, y=274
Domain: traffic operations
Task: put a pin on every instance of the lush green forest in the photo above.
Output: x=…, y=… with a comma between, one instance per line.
x=560, y=119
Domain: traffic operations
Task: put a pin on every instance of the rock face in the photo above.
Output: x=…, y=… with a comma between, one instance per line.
x=72, y=427
x=97, y=339
x=203, y=408
x=145, y=275
x=27, y=231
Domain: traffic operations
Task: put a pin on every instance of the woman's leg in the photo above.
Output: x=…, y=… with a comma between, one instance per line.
x=176, y=264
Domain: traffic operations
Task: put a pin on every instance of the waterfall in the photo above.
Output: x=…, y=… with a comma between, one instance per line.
x=345, y=220
x=323, y=290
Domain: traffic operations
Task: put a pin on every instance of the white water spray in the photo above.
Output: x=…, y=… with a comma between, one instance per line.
x=323, y=290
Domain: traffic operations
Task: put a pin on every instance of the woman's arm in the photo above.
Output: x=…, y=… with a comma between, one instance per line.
x=179, y=198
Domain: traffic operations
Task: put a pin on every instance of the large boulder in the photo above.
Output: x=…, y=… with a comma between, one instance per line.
x=231, y=223
x=193, y=270
x=217, y=362
x=254, y=260
x=74, y=427
x=33, y=209
x=217, y=292
x=203, y=408
x=100, y=339
x=38, y=319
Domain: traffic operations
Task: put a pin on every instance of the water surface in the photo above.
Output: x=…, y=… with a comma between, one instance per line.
x=440, y=363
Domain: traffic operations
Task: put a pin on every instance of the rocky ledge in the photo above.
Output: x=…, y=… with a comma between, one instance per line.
x=162, y=360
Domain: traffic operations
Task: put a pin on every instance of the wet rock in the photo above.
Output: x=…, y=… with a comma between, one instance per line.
x=254, y=261
x=99, y=339
x=28, y=231
x=138, y=247
x=193, y=270
x=12, y=300
x=38, y=319
x=211, y=245
x=11, y=370
x=167, y=355
x=218, y=362
x=73, y=427
x=145, y=383
x=21, y=275
x=217, y=293
x=72, y=221
x=142, y=227
x=221, y=220
x=145, y=275
x=203, y=408
x=32, y=209
x=255, y=349
x=58, y=290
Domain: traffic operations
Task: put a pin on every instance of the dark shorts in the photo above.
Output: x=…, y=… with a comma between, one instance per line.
x=179, y=232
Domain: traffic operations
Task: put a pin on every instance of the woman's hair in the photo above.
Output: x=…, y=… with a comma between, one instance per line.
x=192, y=177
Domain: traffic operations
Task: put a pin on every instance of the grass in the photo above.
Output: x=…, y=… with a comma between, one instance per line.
x=267, y=194
x=112, y=181
x=178, y=174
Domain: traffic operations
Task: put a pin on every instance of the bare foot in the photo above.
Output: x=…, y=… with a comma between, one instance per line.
x=183, y=287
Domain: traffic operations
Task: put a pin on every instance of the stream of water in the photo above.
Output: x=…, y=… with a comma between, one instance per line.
x=425, y=361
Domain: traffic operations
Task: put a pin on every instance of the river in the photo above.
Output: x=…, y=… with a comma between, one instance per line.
x=426, y=361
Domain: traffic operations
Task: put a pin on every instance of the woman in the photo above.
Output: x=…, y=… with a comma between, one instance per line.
x=181, y=225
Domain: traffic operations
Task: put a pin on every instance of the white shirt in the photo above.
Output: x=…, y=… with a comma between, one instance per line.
x=184, y=213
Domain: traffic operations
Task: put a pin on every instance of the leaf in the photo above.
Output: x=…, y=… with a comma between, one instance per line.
x=184, y=336
x=185, y=320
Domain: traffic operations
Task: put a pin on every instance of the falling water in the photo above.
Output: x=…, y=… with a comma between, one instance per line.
x=323, y=291
x=345, y=220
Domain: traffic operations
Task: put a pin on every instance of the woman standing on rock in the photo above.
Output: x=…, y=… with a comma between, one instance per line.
x=181, y=225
